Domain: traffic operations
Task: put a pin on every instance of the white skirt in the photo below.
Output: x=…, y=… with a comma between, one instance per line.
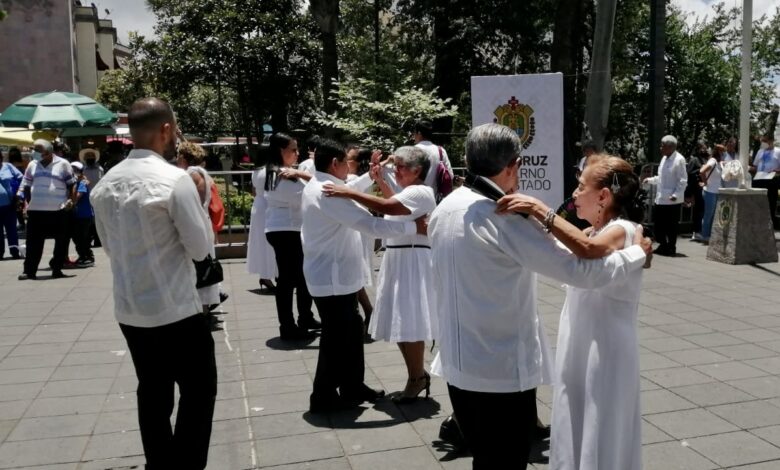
x=405, y=300
x=260, y=257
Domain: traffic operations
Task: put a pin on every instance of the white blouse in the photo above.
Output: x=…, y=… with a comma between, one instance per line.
x=484, y=269
x=283, y=212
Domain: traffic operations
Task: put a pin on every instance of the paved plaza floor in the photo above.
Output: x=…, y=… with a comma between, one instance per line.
x=710, y=362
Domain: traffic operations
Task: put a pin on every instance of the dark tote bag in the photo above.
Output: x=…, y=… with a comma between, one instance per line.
x=208, y=272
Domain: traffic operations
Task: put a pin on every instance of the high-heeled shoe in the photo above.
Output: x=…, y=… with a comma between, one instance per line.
x=413, y=389
x=268, y=286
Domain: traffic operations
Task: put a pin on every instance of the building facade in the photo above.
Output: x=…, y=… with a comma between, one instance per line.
x=54, y=45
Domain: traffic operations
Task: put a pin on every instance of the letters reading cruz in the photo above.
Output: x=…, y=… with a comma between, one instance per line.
x=533, y=160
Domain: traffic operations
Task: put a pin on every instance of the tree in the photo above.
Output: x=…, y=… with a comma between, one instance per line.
x=383, y=124
x=326, y=14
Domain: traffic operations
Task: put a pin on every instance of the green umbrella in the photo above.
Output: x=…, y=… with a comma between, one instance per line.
x=56, y=110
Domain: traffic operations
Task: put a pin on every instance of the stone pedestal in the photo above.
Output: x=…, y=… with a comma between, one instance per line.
x=742, y=231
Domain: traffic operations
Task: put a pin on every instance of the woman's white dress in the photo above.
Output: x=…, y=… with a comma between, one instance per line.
x=260, y=258
x=405, y=305
x=368, y=240
x=209, y=295
x=596, y=421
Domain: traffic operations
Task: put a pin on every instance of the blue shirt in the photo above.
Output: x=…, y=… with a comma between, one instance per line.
x=10, y=179
x=83, y=206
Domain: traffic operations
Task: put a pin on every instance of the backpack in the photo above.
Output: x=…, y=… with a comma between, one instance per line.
x=443, y=179
x=216, y=209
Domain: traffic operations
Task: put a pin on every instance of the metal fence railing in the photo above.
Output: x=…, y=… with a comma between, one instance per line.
x=235, y=189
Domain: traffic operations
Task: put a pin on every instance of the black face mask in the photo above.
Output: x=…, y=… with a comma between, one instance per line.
x=90, y=161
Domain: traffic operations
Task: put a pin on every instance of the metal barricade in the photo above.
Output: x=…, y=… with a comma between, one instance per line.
x=235, y=189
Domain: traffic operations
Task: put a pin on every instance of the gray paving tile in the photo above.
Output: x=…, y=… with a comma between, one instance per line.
x=690, y=423
x=64, y=406
x=6, y=426
x=673, y=456
x=13, y=409
x=730, y=371
x=53, y=426
x=295, y=449
x=236, y=455
x=116, y=421
x=736, y=448
x=694, y=357
x=750, y=414
x=71, y=388
x=676, y=377
x=20, y=391
x=709, y=340
x=375, y=439
x=287, y=424
x=21, y=376
x=767, y=364
x=413, y=459
x=41, y=452
x=661, y=401
x=759, y=387
x=119, y=444
x=327, y=464
x=744, y=351
x=709, y=394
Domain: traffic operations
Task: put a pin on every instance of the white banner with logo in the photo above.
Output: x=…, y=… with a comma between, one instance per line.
x=532, y=105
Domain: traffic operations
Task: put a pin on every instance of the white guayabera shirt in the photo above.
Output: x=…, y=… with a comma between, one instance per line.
x=671, y=180
x=152, y=225
x=484, y=271
x=332, y=247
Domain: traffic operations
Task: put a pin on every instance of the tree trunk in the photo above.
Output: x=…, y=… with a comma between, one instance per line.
x=655, y=123
x=326, y=14
x=563, y=58
x=599, y=91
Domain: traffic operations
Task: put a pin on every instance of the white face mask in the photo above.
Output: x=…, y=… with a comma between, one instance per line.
x=764, y=145
x=37, y=156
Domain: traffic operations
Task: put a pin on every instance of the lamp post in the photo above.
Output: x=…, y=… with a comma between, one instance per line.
x=744, y=97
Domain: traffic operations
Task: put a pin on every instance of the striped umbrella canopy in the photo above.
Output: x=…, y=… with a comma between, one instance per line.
x=56, y=110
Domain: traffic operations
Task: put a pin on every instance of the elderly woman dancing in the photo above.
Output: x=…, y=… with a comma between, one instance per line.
x=405, y=300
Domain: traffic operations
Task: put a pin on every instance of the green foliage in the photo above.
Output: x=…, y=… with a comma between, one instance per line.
x=383, y=123
x=239, y=208
x=3, y=14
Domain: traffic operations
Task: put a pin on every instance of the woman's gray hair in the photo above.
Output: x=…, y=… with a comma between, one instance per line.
x=490, y=148
x=48, y=147
x=669, y=140
x=414, y=157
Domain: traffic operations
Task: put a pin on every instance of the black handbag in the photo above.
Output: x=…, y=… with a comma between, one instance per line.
x=208, y=272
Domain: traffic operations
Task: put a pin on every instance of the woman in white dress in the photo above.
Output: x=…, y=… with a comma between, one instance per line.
x=596, y=421
x=190, y=158
x=260, y=258
x=405, y=302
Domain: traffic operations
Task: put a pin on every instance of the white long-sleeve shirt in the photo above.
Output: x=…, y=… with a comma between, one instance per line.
x=283, y=210
x=484, y=270
x=332, y=246
x=671, y=180
x=150, y=220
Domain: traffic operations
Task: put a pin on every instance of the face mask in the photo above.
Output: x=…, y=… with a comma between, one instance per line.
x=90, y=161
x=764, y=145
x=37, y=156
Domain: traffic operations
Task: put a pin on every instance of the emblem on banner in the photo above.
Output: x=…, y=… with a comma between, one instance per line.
x=518, y=117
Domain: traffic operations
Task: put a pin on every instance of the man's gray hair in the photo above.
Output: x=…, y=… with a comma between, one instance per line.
x=413, y=157
x=669, y=140
x=47, y=146
x=490, y=148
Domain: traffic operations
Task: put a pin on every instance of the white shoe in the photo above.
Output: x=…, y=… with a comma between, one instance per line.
x=696, y=237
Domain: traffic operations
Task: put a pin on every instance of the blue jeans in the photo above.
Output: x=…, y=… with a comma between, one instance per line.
x=8, y=225
x=710, y=202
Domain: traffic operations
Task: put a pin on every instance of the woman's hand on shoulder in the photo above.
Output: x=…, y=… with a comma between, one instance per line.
x=333, y=190
x=521, y=204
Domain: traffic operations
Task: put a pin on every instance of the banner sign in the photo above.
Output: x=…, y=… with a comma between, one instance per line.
x=532, y=105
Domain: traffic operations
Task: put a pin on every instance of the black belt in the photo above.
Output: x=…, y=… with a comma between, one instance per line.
x=407, y=246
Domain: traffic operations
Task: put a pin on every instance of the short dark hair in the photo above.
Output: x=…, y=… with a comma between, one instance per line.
x=148, y=114
x=425, y=128
x=312, y=143
x=326, y=152
x=14, y=155
x=58, y=146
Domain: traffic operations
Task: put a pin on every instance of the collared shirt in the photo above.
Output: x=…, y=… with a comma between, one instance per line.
x=307, y=166
x=283, y=212
x=332, y=247
x=433, y=156
x=48, y=184
x=150, y=220
x=484, y=267
x=10, y=179
x=767, y=161
x=671, y=180
x=93, y=174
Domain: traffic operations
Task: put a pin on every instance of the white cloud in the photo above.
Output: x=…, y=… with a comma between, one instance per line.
x=127, y=15
x=702, y=8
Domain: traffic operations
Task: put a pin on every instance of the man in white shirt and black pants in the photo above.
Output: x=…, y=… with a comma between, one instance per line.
x=333, y=267
x=493, y=350
x=670, y=185
x=152, y=225
x=49, y=187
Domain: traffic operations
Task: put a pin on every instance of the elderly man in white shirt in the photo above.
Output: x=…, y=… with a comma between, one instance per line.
x=671, y=181
x=150, y=219
x=493, y=350
x=335, y=272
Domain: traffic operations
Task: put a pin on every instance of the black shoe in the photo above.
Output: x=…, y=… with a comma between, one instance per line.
x=295, y=333
x=364, y=393
x=15, y=253
x=223, y=297
x=25, y=276
x=541, y=432
x=58, y=274
x=449, y=432
x=309, y=324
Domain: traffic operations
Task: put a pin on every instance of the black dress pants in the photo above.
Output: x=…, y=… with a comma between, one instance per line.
x=40, y=226
x=666, y=219
x=498, y=427
x=289, y=260
x=771, y=194
x=180, y=353
x=80, y=230
x=340, y=364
